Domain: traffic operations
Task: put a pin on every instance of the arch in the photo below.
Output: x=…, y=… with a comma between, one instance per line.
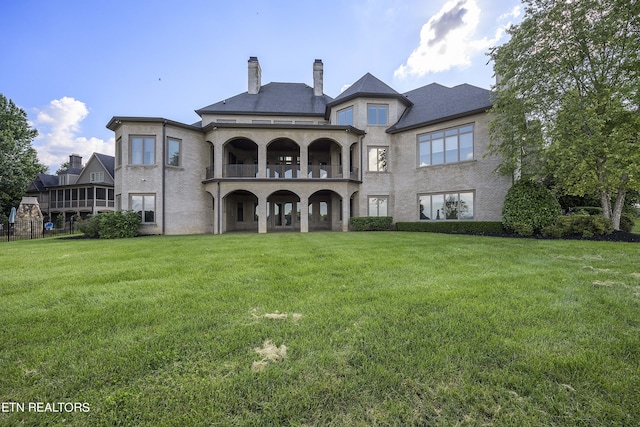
x=324, y=159
x=240, y=158
x=283, y=158
x=325, y=210
x=241, y=211
x=283, y=211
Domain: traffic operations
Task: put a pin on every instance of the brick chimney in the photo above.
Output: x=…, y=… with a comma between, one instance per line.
x=255, y=75
x=317, y=77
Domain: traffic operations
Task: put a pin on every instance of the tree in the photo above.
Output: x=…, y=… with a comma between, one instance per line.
x=567, y=103
x=19, y=162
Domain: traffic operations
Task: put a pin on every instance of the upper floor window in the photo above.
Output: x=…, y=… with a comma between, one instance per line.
x=143, y=150
x=449, y=146
x=345, y=116
x=119, y=152
x=377, y=114
x=96, y=177
x=173, y=152
x=377, y=159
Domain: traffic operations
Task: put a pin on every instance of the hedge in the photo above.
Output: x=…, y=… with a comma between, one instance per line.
x=492, y=227
x=371, y=223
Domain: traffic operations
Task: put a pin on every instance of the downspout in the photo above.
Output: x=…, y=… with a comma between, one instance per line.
x=218, y=210
x=164, y=137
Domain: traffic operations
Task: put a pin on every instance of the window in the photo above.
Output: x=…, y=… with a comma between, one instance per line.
x=240, y=212
x=345, y=117
x=449, y=146
x=96, y=177
x=119, y=152
x=378, y=205
x=145, y=206
x=173, y=152
x=143, y=150
x=376, y=114
x=377, y=159
x=447, y=206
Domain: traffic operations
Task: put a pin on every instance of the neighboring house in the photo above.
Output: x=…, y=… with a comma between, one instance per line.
x=76, y=191
x=285, y=156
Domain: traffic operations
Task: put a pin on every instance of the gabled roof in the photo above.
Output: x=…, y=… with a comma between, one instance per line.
x=435, y=103
x=108, y=162
x=371, y=87
x=42, y=182
x=291, y=99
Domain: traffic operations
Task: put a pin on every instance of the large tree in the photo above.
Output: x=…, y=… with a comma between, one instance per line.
x=19, y=162
x=567, y=99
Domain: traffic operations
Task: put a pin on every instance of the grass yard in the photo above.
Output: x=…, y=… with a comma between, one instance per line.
x=355, y=329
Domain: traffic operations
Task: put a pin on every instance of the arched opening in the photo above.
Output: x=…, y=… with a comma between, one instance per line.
x=241, y=211
x=240, y=159
x=283, y=159
x=325, y=211
x=283, y=211
x=325, y=159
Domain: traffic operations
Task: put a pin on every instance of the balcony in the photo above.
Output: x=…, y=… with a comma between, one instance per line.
x=282, y=172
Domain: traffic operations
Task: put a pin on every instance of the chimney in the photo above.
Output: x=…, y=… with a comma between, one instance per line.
x=75, y=161
x=317, y=77
x=255, y=75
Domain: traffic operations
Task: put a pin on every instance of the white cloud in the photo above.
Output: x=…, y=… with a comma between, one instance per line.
x=449, y=39
x=58, y=125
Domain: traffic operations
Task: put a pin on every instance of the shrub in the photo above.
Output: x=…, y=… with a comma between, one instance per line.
x=90, y=226
x=120, y=224
x=529, y=207
x=452, y=227
x=627, y=222
x=371, y=223
x=111, y=225
x=581, y=225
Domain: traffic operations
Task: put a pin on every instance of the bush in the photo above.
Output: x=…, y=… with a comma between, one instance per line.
x=627, y=222
x=111, y=225
x=120, y=224
x=371, y=223
x=452, y=227
x=90, y=226
x=580, y=225
x=529, y=207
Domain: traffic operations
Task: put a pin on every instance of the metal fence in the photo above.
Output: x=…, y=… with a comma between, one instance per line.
x=33, y=229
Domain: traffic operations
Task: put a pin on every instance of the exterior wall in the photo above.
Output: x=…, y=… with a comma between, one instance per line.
x=92, y=167
x=477, y=175
x=187, y=207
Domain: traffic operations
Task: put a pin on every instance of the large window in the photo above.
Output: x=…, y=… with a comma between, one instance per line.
x=96, y=177
x=448, y=206
x=143, y=150
x=345, y=117
x=376, y=114
x=173, y=152
x=377, y=159
x=145, y=206
x=448, y=146
x=119, y=152
x=378, y=205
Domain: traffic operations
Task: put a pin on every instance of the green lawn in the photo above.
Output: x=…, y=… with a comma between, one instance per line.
x=378, y=328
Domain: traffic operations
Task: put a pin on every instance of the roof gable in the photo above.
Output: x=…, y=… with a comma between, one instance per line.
x=434, y=103
x=369, y=86
x=295, y=99
x=98, y=162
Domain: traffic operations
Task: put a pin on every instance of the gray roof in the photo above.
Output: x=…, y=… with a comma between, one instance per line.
x=435, y=103
x=42, y=182
x=107, y=161
x=295, y=99
x=369, y=86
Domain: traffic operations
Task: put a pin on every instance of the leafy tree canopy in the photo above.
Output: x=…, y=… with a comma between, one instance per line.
x=19, y=162
x=568, y=101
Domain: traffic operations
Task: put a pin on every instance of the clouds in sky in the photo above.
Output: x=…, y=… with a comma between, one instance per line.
x=449, y=39
x=59, y=124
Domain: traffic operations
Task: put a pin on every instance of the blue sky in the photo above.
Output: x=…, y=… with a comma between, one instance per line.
x=72, y=65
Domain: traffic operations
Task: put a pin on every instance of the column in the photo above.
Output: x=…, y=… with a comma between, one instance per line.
x=304, y=214
x=263, y=206
x=262, y=163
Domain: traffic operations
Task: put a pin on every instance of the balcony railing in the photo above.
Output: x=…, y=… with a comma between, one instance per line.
x=282, y=171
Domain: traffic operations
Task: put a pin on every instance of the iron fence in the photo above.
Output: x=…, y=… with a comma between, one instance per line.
x=33, y=229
